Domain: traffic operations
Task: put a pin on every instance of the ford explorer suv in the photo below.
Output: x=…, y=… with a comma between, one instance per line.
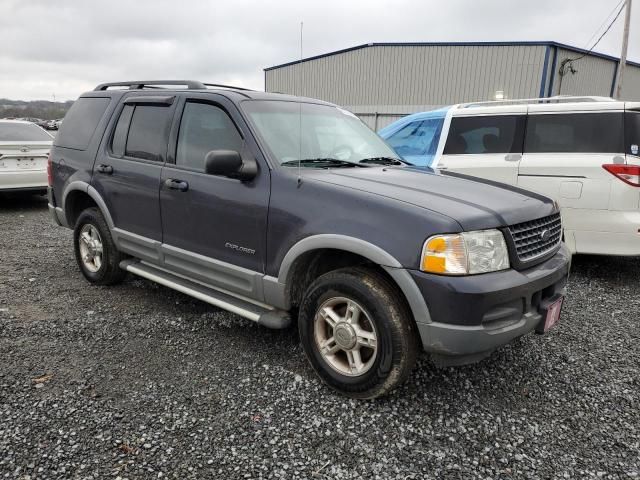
x=276, y=207
x=580, y=151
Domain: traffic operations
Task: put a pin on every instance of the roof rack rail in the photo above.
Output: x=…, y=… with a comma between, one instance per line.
x=151, y=84
x=139, y=85
x=525, y=101
x=231, y=87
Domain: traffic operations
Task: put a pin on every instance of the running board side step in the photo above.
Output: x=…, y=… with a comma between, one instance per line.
x=268, y=317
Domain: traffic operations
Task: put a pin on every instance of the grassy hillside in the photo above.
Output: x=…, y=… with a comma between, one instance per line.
x=37, y=108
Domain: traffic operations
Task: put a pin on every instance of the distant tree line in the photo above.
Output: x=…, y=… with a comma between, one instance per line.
x=37, y=108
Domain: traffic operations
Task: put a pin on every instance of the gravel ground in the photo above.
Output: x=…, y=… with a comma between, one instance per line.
x=138, y=381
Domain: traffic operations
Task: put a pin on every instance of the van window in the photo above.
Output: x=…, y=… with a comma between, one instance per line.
x=419, y=138
x=632, y=133
x=120, y=133
x=485, y=134
x=575, y=132
x=147, y=137
x=81, y=122
x=204, y=128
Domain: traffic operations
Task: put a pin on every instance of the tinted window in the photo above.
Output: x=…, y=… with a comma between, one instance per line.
x=575, y=132
x=485, y=134
x=204, y=128
x=147, y=137
x=80, y=122
x=120, y=133
x=22, y=132
x=632, y=135
x=417, y=138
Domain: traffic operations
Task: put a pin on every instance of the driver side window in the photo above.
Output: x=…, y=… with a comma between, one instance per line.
x=203, y=128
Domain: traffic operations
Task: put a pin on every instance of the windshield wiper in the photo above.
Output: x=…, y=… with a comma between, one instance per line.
x=384, y=161
x=320, y=163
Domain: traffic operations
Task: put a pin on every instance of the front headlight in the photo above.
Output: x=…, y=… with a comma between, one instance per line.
x=465, y=253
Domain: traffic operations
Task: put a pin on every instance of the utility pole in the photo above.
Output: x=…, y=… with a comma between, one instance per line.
x=623, y=54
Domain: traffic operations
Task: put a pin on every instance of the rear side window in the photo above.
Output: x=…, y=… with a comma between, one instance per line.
x=80, y=122
x=147, y=138
x=575, y=133
x=418, y=138
x=485, y=134
x=119, y=139
x=632, y=133
x=204, y=128
x=22, y=132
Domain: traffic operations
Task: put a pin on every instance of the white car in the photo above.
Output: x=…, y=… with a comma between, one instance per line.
x=24, y=148
x=581, y=151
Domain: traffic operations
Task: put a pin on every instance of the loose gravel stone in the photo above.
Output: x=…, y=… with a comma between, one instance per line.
x=144, y=382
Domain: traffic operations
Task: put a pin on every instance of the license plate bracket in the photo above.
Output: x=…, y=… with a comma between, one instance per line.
x=550, y=312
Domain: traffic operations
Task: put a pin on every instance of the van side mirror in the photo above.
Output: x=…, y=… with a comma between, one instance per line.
x=229, y=163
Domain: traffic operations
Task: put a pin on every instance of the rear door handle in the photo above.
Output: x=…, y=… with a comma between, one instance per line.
x=108, y=169
x=175, y=184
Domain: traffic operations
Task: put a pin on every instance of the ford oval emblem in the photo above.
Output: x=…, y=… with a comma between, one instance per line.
x=545, y=235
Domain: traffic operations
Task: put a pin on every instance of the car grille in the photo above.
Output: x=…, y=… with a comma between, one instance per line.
x=530, y=239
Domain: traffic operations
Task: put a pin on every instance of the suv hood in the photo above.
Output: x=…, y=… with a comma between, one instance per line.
x=475, y=203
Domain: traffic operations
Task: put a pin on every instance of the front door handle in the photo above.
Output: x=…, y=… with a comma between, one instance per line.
x=175, y=184
x=513, y=157
x=108, y=169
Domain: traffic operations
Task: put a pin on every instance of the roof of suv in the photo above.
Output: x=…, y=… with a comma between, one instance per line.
x=197, y=86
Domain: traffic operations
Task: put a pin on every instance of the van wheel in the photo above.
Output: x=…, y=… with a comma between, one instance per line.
x=95, y=251
x=357, y=332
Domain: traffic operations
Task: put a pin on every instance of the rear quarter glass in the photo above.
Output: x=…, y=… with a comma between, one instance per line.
x=80, y=122
x=632, y=133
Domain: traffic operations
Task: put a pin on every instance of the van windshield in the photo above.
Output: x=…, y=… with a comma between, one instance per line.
x=317, y=136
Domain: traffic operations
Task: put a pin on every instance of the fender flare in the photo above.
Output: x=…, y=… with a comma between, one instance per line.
x=377, y=255
x=95, y=196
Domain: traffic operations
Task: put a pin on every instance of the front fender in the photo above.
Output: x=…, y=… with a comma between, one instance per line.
x=275, y=288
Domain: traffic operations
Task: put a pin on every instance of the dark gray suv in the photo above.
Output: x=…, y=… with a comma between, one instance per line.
x=272, y=206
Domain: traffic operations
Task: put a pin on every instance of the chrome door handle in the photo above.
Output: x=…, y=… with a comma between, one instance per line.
x=175, y=184
x=513, y=157
x=108, y=169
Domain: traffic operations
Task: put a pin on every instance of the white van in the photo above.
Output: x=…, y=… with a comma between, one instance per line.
x=581, y=151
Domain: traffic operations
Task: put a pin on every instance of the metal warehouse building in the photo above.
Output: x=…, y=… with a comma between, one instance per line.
x=381, y=82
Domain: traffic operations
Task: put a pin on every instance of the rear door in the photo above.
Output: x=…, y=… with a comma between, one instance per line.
x=485, y=145
x=127, y=172
x=214, y=227
x=564, y=152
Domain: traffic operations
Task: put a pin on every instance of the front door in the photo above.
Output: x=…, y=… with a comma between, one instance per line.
x=485, y=146
x=214, y=227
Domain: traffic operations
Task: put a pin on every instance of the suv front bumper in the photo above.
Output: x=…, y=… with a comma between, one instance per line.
x=473, y=315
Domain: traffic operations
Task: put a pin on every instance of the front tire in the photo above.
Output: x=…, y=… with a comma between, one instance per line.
x=357, y=332
x=95, y=251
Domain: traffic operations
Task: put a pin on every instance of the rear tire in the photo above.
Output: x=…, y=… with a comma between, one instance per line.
x=96, y=253
x=357, y=332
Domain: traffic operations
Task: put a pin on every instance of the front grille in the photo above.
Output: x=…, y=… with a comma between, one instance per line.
x=529, y=237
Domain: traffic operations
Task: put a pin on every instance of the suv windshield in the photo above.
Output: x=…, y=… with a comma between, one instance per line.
x=317, y=136
x=23, y=132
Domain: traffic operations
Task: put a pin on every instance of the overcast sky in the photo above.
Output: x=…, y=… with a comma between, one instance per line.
x=65, y=47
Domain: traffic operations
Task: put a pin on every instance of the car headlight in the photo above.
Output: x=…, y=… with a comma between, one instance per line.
x=465, y=253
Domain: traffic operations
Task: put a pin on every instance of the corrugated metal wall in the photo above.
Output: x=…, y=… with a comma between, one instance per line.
x=382, y=83
x=406, y=79
x=594, y=75
x=631, y=84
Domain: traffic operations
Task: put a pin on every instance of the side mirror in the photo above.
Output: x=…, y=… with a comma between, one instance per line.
x=229, y=163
